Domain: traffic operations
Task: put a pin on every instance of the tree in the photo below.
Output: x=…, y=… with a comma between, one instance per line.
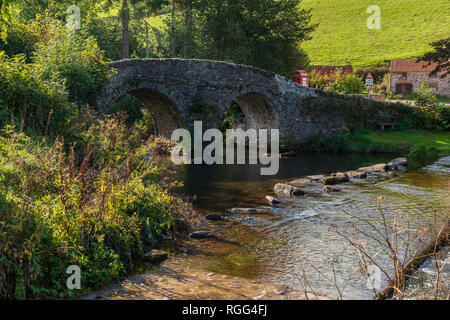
x=262, y=33
x=440, y=56
x=130, y=8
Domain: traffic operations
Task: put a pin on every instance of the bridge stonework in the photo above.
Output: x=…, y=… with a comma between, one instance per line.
x=172, y=89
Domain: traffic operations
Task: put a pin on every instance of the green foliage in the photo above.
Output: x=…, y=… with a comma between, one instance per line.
x=348, y=83
x=317, y=80
x=427, y=104
x=76, y=59
x=30, y=97
x=426, y=100
x=337, y=82
x=398, y=141
x=265, y=34
x=21, y=38
x=90, y=208
x=233, y=117
x=65, y=67
x=440, y=56
x=378, y=72
x=107, y=31
x=384, y=87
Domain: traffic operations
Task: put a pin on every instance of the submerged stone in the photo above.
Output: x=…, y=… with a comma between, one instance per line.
x=273, y=200
x=329, y=188
x=299, y=183
x=250, y=210
x=286, y=190
x=378, y=168
x=397, y=164
x=357, y=174
x=335, y=178
x=155, y=256
x=214, y=217
x=202, y=235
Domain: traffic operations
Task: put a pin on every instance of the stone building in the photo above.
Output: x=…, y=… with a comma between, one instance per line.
x=407, y=75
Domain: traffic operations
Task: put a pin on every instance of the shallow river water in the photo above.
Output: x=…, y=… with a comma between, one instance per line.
x=297, y=244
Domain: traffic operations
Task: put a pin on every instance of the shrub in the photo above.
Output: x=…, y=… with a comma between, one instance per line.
x=337, y=82
x=76, y=59
x=21, y=38
x=348, y=83
x=90, y=209
x=316, y=80
x=30, y=97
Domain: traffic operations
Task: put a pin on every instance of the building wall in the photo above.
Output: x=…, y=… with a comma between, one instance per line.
x=417, y=78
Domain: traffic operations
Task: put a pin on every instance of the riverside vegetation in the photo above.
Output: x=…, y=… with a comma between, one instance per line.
x=74, y=189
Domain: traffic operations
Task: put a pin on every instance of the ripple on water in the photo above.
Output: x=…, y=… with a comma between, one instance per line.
x=298, y=238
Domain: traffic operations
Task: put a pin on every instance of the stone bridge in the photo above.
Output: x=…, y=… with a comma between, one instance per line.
x=175, y=89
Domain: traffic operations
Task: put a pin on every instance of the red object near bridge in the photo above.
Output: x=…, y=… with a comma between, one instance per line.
x=301, y=77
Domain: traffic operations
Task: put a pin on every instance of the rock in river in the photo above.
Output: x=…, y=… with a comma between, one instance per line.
x=214, y=217
x=357, y=174
x=251, y=210
x=316, y=177
x=444, y=161
x=301, y=183
x=335, y=178
x=397, y=164
x=328, y=188
x=155, y=256
x=202, y=235
x=381, y=167
x=273, y=200
x=286, y=190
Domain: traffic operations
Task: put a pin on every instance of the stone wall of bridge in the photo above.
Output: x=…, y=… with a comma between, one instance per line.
x=175, y=90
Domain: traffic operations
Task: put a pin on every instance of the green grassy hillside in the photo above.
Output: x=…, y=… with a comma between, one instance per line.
x=407, y=27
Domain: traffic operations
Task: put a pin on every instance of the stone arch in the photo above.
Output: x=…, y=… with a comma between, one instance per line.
x=164, y=110
x=166, y=115
x=259, y=110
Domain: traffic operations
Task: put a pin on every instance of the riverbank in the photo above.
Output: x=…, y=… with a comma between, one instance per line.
x=395, y=141
x=91, y=209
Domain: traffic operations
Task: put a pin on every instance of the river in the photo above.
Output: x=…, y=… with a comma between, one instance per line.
x=300, y=244
x=298, y=241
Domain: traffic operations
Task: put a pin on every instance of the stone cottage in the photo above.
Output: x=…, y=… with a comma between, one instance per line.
x=407, y=75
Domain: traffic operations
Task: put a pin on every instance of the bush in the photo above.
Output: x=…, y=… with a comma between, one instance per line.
x=316, y=80
x=435, y=116
x=76, y=59
x=337, y=82
x=30, y=97
x=21, y=38
x=348, y=83
x=90, y=209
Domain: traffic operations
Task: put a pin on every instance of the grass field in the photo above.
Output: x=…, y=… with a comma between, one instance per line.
x=404, y=140
x=407, y=27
